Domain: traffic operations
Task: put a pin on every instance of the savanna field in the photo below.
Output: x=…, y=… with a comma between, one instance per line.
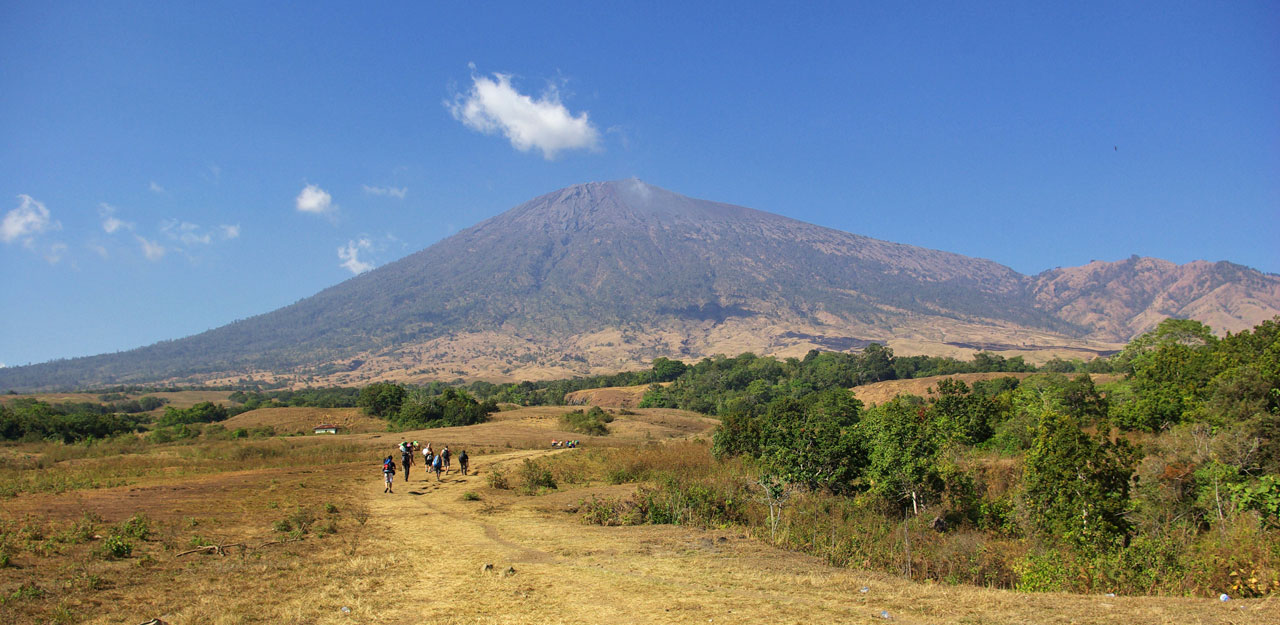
x=1138, y=488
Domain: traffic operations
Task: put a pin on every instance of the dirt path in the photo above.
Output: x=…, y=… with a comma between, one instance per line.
x=548, y=568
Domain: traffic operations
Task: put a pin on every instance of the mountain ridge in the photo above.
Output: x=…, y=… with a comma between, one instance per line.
x=604, y=276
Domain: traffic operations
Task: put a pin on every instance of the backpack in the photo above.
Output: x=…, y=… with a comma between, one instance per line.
x=388, y=466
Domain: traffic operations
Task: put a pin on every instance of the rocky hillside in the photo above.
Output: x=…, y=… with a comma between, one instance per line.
x=1121, y=300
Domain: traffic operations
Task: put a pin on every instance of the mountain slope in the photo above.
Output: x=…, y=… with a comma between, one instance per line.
x=1123, y=299
x=604, y=276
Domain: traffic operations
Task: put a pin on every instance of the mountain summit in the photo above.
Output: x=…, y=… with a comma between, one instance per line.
x=606, y=276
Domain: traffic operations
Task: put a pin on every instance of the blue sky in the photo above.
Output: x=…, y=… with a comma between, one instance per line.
x=169, y=167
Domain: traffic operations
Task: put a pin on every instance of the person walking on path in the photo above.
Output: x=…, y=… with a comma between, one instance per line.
x=406, y=460
x=462, y=461
x=437, y=464
x=388, y=473
x=444, y=453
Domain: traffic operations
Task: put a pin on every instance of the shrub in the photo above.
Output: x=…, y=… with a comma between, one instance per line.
x=136, y=526
x=534, y=477
x=497, y=478
x=592, y=422
x=1043, y=572
x=115, y=547
x=470, y=496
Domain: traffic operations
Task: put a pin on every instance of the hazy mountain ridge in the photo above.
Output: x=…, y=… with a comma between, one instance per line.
x=604, y=276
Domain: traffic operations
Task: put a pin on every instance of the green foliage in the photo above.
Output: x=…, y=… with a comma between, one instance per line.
x=593, y=422
x=28, y=419
x=815, y=444
x=203, y=412
x=1043, y=572
x=115, y=547
x=450, y=408
x=498, y=479
x=381, y=399
x=1262, y=495
x=535, y=476
x=903, y=463
x=963, y=416
x=1077, y=486
x=137, y=526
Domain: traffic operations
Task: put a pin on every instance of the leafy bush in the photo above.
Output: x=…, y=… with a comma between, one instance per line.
x=497, y=478
x=137, y=526
x=115, y=547
x=593, y=422
x=535, y=476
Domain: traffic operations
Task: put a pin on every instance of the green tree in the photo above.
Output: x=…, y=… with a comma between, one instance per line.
x=815, y=444
x=666, y=370
x=963, y=416
x=903, y=454
x=1077, y=486
x=381, y=399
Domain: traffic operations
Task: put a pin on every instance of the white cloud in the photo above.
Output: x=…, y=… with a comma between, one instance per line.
x=315, y=200
x=111, y=223
x=100, y=250
x=229, y=231
x=493, y=106
x=150, y=249
x=350, y=256
x=391, y=191
x=27, y=220
x=186, y=232
x=55, y=253
x=156, y=188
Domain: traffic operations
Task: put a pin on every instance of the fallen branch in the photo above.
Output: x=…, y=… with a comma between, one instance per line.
x=222, y=549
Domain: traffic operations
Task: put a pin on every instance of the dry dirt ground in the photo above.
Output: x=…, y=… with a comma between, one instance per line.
x=419, y=555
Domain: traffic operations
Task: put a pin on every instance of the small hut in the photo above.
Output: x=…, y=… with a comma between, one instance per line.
x=326, y=428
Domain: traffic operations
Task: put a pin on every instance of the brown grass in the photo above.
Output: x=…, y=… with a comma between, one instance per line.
x=303, y=420
x=416, y=555
x=881, y=392
x=610, y=396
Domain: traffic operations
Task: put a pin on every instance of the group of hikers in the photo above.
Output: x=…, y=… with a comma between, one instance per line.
x=438, y=462
x=555, y=444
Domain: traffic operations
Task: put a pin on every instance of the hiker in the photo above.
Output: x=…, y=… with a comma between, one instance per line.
x=462, y=461
x=426, y=457
x=437, y=464
x=444, y=453
x=388, y=473
x=406, y=459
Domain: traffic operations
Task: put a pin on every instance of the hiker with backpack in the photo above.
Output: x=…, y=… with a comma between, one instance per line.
x=437, y=464
x=427, y=457
x=406, y=459
x=462, y=461
x=444, y=453
x=388, y=473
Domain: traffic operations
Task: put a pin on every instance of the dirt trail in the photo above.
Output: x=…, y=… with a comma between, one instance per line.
x=565, y=572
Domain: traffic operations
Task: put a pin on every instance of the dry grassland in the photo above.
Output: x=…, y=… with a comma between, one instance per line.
x=610, y=397
x=298, y=420
x=417, y=555
x=881, y=392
